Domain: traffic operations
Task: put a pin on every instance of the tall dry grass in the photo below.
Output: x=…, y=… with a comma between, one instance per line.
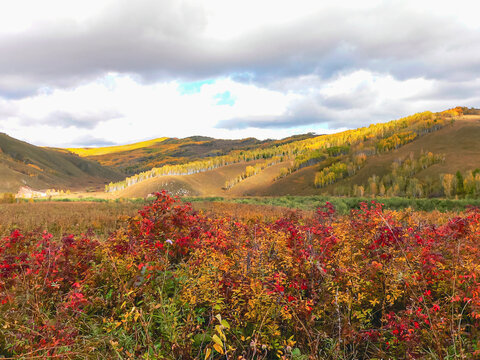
x=58, y=218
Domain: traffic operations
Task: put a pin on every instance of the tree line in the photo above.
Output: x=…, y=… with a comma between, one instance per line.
x=367, y=140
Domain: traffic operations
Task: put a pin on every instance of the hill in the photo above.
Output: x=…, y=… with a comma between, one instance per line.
x=415, y=156
x=422, y=155
x=135, y=158
x=208, y=183
x=86, y=152
x=457, y=144
x=23, y=164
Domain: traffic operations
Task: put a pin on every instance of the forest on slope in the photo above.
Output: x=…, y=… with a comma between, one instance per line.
x=422, y=155
x=134, y=158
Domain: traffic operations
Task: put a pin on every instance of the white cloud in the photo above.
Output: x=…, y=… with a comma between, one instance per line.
x=118, y=109
x=110, y=70
x=134, y=111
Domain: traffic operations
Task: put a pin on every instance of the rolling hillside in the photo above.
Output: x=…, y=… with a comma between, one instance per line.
x=406, y=157
x=134, y=158
x=209, y=183
x=23, y=164
x=423, y=155
x=459, y=142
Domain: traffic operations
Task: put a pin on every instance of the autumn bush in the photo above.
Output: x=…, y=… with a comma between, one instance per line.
x=172, y=283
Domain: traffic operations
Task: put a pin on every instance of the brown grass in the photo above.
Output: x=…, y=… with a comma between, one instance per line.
x=299, y=182
x=59, y=218
x=248, y=212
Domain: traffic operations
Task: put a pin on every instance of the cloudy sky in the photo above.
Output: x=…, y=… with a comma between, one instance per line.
x=99, y=72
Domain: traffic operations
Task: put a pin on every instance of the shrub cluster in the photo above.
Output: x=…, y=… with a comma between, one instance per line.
x=173, y=283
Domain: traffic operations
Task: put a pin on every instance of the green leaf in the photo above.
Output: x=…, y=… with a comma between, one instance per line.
x=296, y=352
x=109, y=294
x=204, y=338
x=225, y=324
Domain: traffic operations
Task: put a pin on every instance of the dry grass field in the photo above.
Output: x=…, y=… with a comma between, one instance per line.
x=103, y=218
x=65, y=217
x=248, y=212
x=208, y=183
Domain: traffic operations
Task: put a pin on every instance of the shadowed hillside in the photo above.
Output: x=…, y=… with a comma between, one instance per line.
x=23, y=164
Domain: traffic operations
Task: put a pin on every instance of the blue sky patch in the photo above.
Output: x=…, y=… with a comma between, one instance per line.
x=193, y=87
x=225, y=98
x=320, y=126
